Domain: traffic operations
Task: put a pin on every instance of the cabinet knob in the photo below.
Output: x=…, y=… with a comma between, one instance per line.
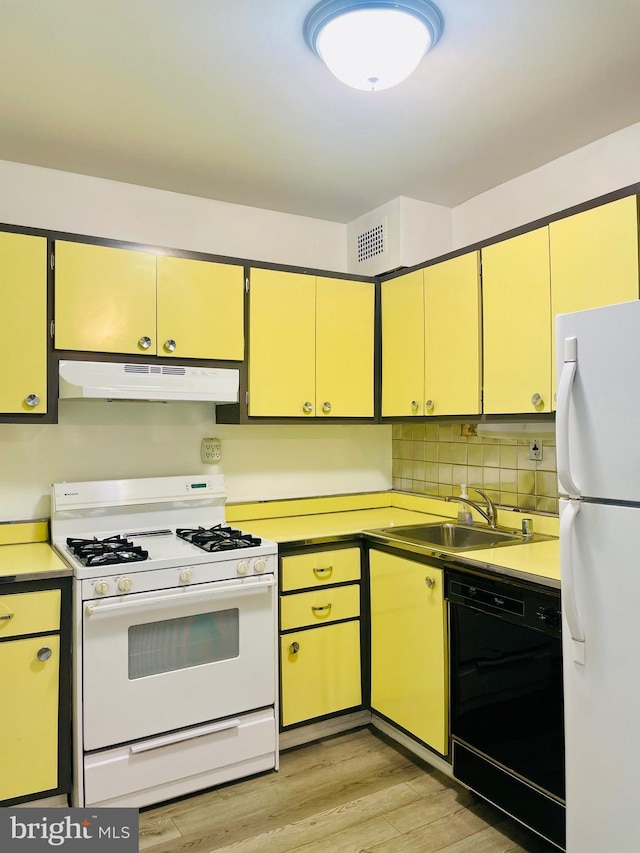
x=320, y=609
x=144, y=342
x=536, y=399
x=326, y=408
x=170, y=345
x=414, y=405
x=6, y=617
x=44, y=653
x=307, y=408
x=430, y=582
x=294, y=648
x=429, y=405
x=323, y=572
x=32, y=400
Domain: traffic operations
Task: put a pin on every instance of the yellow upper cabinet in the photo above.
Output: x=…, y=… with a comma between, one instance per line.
x=452, y=342
x=516, y=293
x=23, y=306
x=594, y=258
x=282, y=343
x=344, y=348
x=311, y=344
x=403, y=345
x=200, y=309
x=105, y=299
x=124, y=301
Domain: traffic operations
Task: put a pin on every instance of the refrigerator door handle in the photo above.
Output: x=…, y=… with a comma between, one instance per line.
x=567, y=522
x=565, y=480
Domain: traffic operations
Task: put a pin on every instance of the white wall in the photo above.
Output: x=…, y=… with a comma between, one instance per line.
x=608, y=164
x=100, y=440
x=96, y=440
x=61, y=201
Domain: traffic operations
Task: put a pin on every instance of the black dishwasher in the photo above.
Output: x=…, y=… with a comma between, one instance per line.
x=506, y=697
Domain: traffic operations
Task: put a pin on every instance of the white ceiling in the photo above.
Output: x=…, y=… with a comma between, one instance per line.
x=223, y=99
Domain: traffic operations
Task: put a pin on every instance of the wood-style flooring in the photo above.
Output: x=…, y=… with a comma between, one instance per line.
x=351, y=793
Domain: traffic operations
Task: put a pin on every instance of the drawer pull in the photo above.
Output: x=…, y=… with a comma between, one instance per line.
x=44, y=653
x=323, y=572
x=430, y=582
x=6, y=616
x=294, y=648
x=321, y=608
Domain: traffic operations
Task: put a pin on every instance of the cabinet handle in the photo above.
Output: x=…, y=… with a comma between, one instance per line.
x=32, y=400
x=6, y=616
x=144, y=342
x=536, y=399
x=44, y=653
x=323, y=572
x=414, y=405
x=320, y=608
x=430, y=582
x=326, y=408
x=429, y=405
x=170, y=345
x=307, y=408
x=294, y=648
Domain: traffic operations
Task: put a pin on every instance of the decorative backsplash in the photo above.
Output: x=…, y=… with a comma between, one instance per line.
x=434, y=459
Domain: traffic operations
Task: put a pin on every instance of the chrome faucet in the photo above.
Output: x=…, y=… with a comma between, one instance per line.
x=488, y=513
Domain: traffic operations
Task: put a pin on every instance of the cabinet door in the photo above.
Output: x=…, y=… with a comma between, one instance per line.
x=29, y=716
x=23, y=307
x=344, y=348
x=594, y=259
x=200, y=309
x=105, y=299
x=452, y=336
x=320, y=671
x=516, y=302
x=408, y=647
x=282, y=342
x=403, y=345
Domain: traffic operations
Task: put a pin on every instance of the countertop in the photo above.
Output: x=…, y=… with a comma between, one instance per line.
x=537, y=562
x=32, y=561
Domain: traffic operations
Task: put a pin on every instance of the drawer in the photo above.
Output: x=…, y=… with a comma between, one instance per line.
x=320, y=567
x=319, y=606
x=29, y=613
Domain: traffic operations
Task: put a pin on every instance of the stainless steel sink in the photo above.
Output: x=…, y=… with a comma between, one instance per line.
x=458, y=537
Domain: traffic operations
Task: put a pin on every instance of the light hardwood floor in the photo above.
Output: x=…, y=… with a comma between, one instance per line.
x=351, y=793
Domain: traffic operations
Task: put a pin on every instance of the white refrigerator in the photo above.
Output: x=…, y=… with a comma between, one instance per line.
x=598, y=453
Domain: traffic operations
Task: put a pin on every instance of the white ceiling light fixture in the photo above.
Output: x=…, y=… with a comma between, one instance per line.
x=372, y=44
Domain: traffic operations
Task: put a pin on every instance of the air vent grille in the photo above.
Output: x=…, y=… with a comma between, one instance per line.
x=155, y=369
x=370, y=243
x=136, y=368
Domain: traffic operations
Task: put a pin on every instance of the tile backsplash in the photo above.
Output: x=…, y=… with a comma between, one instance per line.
x=435, y=458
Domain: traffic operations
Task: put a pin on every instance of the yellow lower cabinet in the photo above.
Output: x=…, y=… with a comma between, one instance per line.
x=320, y=671
x=29, y=715
x=408, y=647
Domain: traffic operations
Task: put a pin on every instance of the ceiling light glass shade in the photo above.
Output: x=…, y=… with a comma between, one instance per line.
x=372, y=44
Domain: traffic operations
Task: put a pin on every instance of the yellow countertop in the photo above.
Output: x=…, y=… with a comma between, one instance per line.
x=34, y=561
x=537, y=561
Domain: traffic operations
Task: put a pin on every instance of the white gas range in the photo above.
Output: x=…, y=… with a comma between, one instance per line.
x=175, y=631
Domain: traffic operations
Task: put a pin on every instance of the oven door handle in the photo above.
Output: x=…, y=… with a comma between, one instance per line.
x=185, y=597
x=180, y=737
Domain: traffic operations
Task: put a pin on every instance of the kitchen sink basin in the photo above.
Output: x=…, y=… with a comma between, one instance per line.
x=458, y=537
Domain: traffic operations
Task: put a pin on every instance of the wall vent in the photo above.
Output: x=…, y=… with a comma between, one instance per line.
x=371, y=243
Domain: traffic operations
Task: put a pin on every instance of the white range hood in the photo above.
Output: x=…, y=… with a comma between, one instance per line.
x=104, y=380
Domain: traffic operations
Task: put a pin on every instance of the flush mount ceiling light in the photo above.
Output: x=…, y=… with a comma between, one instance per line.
x=372, y=44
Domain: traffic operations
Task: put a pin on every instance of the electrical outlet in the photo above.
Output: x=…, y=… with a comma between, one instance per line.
x=211, y=450
x=535, y=450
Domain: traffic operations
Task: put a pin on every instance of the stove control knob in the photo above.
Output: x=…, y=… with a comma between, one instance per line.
x=259, y=566
x=125, y=584
x=186, y=576
x=243, y=568
x=102, y=587
x=550, y=616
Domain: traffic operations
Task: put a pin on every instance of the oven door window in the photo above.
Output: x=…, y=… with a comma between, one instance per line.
x=173, y=644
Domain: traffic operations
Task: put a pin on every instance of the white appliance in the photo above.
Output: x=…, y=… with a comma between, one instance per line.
x=105, y=380
x=598, y=447
x=175, y=633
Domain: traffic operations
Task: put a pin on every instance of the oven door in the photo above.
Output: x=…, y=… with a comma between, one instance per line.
x=159, y=661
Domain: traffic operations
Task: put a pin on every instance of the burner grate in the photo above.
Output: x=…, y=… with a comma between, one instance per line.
x=218, y=538
x=106, y=552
